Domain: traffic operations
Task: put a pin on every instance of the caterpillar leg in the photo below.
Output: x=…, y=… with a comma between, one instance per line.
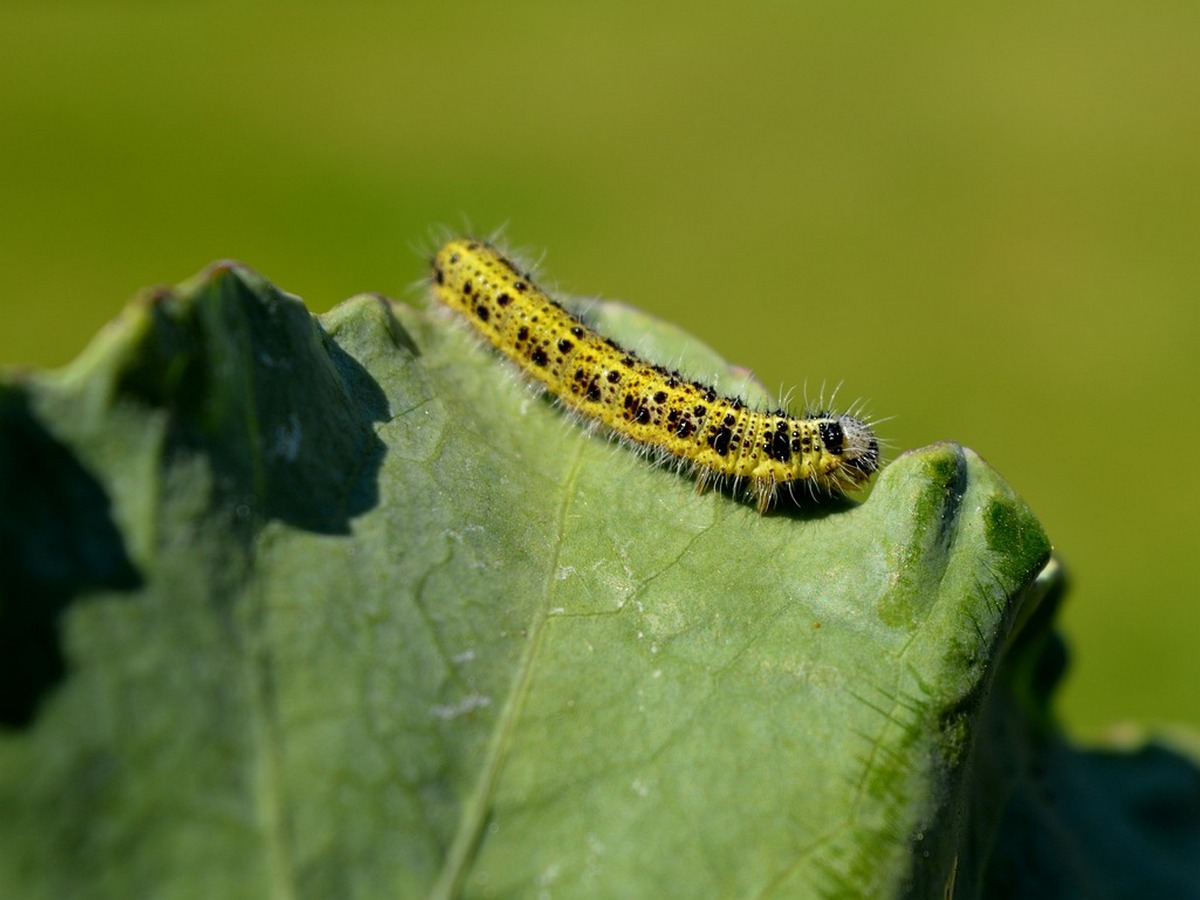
x=763, y=491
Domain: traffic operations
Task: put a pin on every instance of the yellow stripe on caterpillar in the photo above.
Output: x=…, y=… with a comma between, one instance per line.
x=716, y=439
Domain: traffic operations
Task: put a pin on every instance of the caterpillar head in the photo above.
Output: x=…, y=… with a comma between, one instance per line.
x=854, y=443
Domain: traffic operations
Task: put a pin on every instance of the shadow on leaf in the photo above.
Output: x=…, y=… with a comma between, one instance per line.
x=57, y=539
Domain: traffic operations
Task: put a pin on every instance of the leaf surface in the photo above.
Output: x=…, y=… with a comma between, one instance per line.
x=338, y=606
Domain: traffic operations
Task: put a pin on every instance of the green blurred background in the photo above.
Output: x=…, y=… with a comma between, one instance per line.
x=984, y=220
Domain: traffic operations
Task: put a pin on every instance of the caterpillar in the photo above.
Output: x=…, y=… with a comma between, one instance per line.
x=716, y=439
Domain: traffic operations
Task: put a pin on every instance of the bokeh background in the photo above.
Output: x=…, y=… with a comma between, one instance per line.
x=982, y=219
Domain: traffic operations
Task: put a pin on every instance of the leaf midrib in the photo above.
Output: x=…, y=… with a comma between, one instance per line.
x=466, y=841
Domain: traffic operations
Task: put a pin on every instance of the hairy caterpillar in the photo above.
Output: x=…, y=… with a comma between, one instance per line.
x=716, y=439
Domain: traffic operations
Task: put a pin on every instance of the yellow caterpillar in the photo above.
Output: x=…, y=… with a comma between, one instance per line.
x=716, y=439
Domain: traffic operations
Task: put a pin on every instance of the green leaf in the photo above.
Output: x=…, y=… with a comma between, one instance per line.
x=337, y=606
